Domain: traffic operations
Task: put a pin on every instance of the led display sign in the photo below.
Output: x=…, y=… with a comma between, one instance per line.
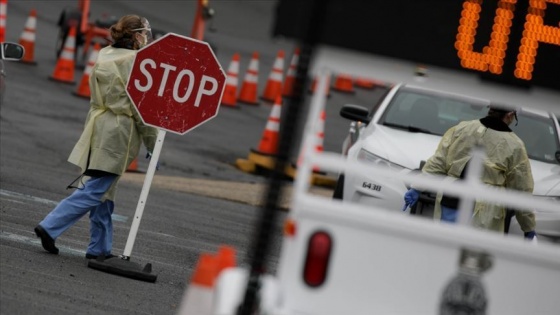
x=515, y=42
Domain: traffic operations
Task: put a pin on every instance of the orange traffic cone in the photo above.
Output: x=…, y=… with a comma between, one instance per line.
x=198, y=296
x=343, y=83
x=288, y=89
x=314, y=85
x=133, y=167
x=273, y=86
x=83, y=88
x=27, y=38
x=230, y=92
x=226, y=257
x=248, y=94
x=64, y=70
x=3, y=16
x=269, y=140
x=364, y=83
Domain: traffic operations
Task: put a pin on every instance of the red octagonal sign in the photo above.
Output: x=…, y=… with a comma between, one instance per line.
x=176, y=83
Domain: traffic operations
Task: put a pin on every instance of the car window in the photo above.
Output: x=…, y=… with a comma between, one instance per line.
x=539, y=135
x=380, y=93
x=430, y=112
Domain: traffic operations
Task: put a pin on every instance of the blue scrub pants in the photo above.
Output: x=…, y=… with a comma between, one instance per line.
x=81, y=201
x=449, y=214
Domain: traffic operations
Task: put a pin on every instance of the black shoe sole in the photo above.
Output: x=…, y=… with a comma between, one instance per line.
x=46, y=240
x=90, y=256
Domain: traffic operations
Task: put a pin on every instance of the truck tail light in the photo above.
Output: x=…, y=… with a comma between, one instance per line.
x=317, y=259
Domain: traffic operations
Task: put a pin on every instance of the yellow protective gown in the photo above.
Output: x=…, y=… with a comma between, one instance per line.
x=113, y=130
x=507, y=166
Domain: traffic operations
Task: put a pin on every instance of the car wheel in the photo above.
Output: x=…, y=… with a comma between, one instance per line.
x=339, y=188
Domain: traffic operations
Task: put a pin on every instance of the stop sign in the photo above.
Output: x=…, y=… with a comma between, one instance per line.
x=176, y=83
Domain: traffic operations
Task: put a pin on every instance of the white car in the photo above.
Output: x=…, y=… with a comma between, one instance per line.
x=403, y=130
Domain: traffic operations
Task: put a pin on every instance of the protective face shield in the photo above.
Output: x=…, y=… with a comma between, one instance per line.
x=148, y=32
x=506, y=109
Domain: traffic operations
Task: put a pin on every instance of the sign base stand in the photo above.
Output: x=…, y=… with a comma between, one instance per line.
x=124, y=267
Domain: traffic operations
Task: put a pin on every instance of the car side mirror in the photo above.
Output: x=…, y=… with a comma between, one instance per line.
x=557, y=155
x=355, y=113
x=12, y=51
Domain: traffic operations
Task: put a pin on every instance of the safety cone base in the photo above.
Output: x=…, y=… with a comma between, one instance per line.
x=80, y=95
x=246, y=166
x=247, y=102
x=61, y=81
x=264, y=98
x=262, y=159
x=125, y=268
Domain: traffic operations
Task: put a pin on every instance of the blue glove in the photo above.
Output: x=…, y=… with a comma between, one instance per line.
x=410, y=198
x=530, y=235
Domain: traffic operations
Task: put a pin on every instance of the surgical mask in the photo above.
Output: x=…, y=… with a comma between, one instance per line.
x=145, y=41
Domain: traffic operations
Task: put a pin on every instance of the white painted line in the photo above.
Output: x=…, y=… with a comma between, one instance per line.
x=23, y=197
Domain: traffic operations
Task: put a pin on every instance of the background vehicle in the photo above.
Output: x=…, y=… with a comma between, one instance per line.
x=403, y=130
x=8, y=51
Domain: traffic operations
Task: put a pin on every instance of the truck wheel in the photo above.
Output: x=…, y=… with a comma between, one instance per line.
x=339, y=188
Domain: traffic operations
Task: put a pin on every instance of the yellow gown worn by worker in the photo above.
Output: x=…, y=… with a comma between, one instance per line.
x=506, y=166
x=113, y=129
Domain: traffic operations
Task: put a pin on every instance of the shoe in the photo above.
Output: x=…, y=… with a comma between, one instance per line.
x=91, y=256
x=46, y=240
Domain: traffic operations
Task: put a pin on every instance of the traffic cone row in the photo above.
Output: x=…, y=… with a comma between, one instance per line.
x=198, y=297
x=3, y=16
x=27, y=38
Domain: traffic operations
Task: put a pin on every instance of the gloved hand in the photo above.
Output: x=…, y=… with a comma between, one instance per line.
x=530, y=235
x=410, y=198
x=149, y=157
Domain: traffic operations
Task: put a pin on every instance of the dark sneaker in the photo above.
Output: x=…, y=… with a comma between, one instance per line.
x=46, y=240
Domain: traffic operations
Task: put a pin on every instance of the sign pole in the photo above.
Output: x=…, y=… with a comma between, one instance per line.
x=144, y=194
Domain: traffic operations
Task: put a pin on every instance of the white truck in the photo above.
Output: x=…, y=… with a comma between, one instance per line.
x=344, y=258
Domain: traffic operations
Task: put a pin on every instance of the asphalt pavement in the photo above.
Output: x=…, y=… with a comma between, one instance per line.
x=198, y=200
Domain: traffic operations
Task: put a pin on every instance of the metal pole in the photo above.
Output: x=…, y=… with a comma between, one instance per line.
x=144, y=195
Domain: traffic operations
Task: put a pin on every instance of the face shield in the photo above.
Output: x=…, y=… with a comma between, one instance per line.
x=145, y=27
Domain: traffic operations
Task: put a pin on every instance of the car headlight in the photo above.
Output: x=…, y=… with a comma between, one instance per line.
x=365, y=156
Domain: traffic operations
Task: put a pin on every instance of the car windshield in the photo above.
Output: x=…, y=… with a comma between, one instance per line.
x=417, y=110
